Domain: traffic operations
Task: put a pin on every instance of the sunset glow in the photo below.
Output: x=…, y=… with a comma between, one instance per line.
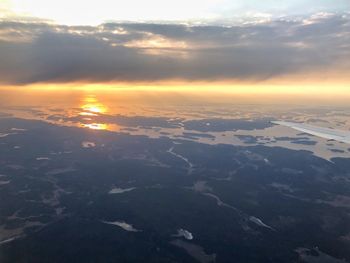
x=95, y=126
x=93, y=108
x=238, y=47
x=154, y=131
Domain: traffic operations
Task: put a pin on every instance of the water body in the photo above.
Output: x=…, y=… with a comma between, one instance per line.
x=184, y=233
x=87, y=144
x=121, y=190
x=190, y=165
x=123, y=225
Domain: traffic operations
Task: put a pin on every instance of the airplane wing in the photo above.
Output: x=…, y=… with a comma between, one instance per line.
x=327, y=133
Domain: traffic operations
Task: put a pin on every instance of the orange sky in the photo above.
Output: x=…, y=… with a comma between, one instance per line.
x=220, y=92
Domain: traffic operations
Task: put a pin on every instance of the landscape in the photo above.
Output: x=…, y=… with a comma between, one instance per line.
x=198, y=131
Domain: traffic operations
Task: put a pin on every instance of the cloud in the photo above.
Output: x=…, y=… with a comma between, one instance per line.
x=39, y=52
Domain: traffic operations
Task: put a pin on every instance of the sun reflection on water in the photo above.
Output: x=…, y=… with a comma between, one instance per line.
x=93, y=108
x=95, y=126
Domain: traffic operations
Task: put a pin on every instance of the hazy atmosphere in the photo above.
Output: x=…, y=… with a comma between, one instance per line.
x=175, y=131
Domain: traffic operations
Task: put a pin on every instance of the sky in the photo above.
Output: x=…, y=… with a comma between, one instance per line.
x=294, y=43
x=96, y=12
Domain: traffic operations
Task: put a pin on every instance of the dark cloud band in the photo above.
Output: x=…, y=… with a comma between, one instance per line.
x=42, y=52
